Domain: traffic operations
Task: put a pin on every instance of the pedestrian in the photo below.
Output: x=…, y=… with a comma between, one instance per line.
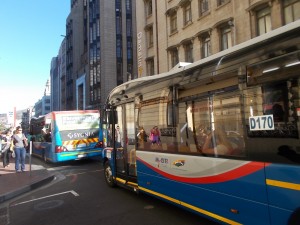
x=155, y=135
x=19, y=142
x=142, y=137
x=6, y=149
x=47, y=136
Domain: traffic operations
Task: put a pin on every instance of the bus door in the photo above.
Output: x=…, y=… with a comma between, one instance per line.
x=130, y=139
x=119, y=142
x=125, y=141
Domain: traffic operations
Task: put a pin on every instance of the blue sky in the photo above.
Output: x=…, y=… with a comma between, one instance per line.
x=30, y=36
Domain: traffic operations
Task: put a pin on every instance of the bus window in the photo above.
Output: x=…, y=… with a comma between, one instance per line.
x=112, y=117
x=119, y=128
x=106, y=126
x=271, y=121
x=130, y=141
x=153, y=112
x=212, y=125
x=47, y=136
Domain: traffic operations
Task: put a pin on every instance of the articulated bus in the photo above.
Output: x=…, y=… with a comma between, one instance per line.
x=226, y=144
x=66, y=135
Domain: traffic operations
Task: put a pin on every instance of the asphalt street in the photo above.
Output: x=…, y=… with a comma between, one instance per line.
x=79, y=195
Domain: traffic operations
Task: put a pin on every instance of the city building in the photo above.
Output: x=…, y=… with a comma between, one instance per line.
x=62, y=74
x=110, y=42
x=43, y=106
x=174, y=31
x=55, y=85
x=100, y=50
x=15, y=118
x=3, y=122
x=76, y=55
x=97, y=53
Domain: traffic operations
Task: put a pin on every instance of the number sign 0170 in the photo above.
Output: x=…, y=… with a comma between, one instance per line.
x=265, y=122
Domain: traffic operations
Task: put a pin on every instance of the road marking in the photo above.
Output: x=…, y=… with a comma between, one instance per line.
x=62, y=193
x=72, y=174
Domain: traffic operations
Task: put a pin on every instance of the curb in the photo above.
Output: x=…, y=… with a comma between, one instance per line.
x=26, y=188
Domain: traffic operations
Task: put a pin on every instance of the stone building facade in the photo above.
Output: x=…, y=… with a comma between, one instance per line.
x=173, y=31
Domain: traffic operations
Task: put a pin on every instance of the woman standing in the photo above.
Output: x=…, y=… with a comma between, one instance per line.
x=142, y=137
x=155, y=135
x=6, y=151
x=18, y=140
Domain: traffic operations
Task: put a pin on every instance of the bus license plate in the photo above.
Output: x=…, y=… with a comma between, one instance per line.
x=81, y=155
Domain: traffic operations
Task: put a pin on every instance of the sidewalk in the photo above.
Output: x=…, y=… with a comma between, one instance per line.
x=13, y=184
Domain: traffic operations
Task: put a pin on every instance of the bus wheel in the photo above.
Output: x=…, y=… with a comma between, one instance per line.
x=108, y=174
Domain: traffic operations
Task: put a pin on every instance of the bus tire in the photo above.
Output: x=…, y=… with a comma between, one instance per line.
x=108, y=174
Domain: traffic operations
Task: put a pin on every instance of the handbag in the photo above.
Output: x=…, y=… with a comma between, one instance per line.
x=26, y=146
x=25, y=143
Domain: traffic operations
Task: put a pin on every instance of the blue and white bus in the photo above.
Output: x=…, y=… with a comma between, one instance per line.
x=66, y=135
x=228, y=133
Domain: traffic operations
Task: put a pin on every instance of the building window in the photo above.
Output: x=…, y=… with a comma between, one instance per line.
x=119, y=25
x=205, y=45
x=263, y=21
x=128, y=6
x=129, y=27
x=149, y=32
x=149, y=8
x=120, y=73
x=226, y=41
x=291, y=10
x=188, y=51
x=173, y=23
x=119, y=48
x=221, y=2
x=187, y=13
x=174, y=57
x=150, y=66
x=203, y=7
